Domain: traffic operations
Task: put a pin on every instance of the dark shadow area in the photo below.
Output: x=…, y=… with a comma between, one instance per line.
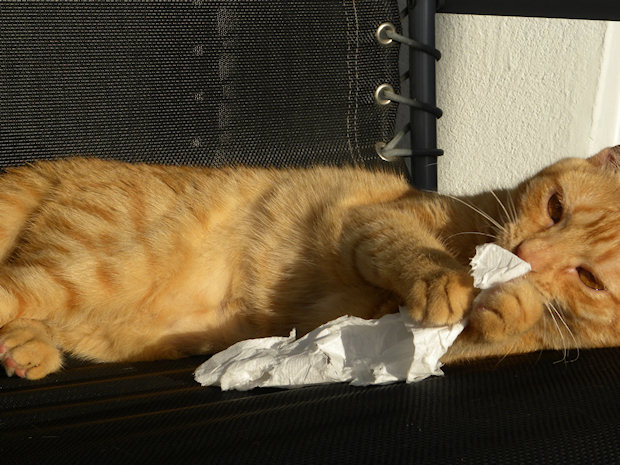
x=523, y=409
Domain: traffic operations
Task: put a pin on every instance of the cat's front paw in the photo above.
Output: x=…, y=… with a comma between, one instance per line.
x=27, y=351
x=505, y=311
x=441, y=298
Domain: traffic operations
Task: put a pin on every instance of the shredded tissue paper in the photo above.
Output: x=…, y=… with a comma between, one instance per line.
x=350, y=349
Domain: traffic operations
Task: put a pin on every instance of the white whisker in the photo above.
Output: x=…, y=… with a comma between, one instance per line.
x=501, y=204
x=551, y=313
x=508, y=352
x=479, y=211
x=492, y=236
x=513, y=208
x=544, y=329
x=570, y=333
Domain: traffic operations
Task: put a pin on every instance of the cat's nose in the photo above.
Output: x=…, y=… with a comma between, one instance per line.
x=526, y=252
x=535, y=252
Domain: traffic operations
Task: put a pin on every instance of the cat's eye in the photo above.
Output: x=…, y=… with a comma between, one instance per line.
x=589, y=279
x=555, y=208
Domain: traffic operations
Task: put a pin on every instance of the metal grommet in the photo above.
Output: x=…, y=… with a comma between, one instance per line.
x=382, y=31
x=379, y=146
x=380, y=94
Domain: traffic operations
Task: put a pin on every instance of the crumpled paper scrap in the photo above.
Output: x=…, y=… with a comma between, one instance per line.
x=351, y=349
x=493, y=265
x=348, y=349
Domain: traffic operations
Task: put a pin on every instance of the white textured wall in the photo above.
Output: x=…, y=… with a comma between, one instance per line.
x=517, y=94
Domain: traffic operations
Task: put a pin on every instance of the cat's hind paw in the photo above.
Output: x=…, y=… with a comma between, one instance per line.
x=27, y=351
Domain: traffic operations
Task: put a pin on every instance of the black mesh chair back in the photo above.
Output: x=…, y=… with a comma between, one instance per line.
x=197, y=82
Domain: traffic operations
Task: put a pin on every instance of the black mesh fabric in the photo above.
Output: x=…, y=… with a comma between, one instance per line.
x=519, y=410
x=287, y=82
x=270, y=83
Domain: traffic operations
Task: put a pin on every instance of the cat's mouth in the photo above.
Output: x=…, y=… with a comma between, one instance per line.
x=516, y=250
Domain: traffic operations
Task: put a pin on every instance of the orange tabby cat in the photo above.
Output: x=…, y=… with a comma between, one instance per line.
x=110, y=261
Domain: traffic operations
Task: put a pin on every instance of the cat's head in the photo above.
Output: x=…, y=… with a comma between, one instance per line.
x=567, y=226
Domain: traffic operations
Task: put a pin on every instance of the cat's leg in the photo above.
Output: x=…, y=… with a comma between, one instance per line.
x=505, y=319
x=27, y=349
x=34, y=292
x=21, y=191
x=9, y=305
x=505, y=311
x=391, y=249
x=30, y=296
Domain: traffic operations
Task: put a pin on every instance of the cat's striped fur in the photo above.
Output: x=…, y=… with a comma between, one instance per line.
x=110, y=261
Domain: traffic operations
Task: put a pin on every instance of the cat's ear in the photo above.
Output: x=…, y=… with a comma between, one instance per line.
x=608, y=158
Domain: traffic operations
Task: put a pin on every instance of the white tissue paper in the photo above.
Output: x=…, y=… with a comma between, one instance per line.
x=493, y=265
x=351, y=349
x=348, y=349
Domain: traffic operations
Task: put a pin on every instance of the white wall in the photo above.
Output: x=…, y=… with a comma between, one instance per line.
x=606, y=124
x=519, y=93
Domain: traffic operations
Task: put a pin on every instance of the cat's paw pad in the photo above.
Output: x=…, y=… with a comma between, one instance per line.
x=442, y=298
x=26, y=355
x=504, y=311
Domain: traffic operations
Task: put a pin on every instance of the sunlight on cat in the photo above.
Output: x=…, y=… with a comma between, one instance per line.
x=109, y=261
